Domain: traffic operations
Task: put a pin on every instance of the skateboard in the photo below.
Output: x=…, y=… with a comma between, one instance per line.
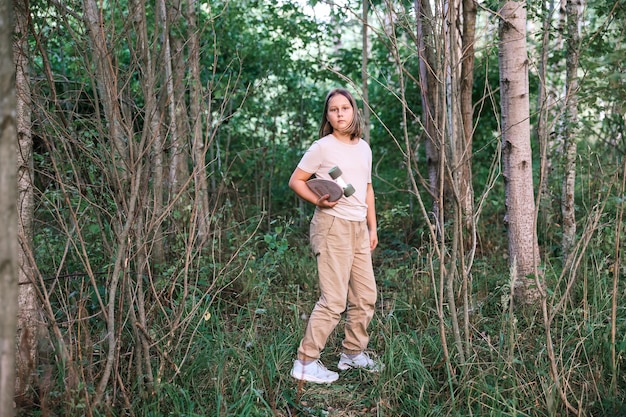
x=322, y=187
x=335, y=189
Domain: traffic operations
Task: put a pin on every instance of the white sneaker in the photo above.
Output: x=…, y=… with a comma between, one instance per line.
x=313, y=372
x=361, y=361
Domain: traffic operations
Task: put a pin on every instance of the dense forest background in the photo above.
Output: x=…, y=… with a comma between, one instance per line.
x=164, y=261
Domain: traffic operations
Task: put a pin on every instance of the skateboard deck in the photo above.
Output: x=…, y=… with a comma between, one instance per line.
x=322, y=187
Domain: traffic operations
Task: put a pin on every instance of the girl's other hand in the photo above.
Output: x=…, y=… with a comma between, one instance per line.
x=373, y=239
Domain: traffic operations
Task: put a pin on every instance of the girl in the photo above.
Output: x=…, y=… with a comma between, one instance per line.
x=342, y=236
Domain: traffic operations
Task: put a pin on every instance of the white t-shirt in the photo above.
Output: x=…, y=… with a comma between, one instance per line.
x=355, y=162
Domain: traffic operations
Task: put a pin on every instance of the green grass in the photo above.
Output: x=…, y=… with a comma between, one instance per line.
x=236, y=360
x=241, y=366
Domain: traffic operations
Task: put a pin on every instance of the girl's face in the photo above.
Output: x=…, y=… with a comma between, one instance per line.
x=340, y=112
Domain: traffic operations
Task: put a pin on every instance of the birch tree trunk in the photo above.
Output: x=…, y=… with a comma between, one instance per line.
x=8, y=213
x=570, y=126
x=516, y=150
x=29, y=313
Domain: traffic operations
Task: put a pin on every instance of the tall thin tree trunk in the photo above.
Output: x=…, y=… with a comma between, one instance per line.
x=453, y=158
x=171, y=97
x=29, y=314
x=179, y=180
x=106, y=80
x=544, y=105
x=153, y=136
x=152, y=132
x=200, y=143
x=466, y=189
x=516, y=150
x=570, y=126
x=8, y=213
x=428, y=86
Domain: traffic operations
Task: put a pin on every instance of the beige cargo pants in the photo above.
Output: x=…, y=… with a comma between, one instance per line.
x=346, y=282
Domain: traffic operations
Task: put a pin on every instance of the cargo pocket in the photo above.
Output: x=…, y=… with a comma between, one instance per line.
x=319, y=230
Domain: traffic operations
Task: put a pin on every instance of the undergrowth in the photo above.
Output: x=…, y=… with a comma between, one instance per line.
x=243, y=354
x=235, y=357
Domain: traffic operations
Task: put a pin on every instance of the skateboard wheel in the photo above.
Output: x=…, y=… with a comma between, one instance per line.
x=335, y=173
x=349, y=190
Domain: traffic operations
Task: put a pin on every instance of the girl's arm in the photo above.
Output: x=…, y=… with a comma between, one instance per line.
x=371, y=216
x=297, y=182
